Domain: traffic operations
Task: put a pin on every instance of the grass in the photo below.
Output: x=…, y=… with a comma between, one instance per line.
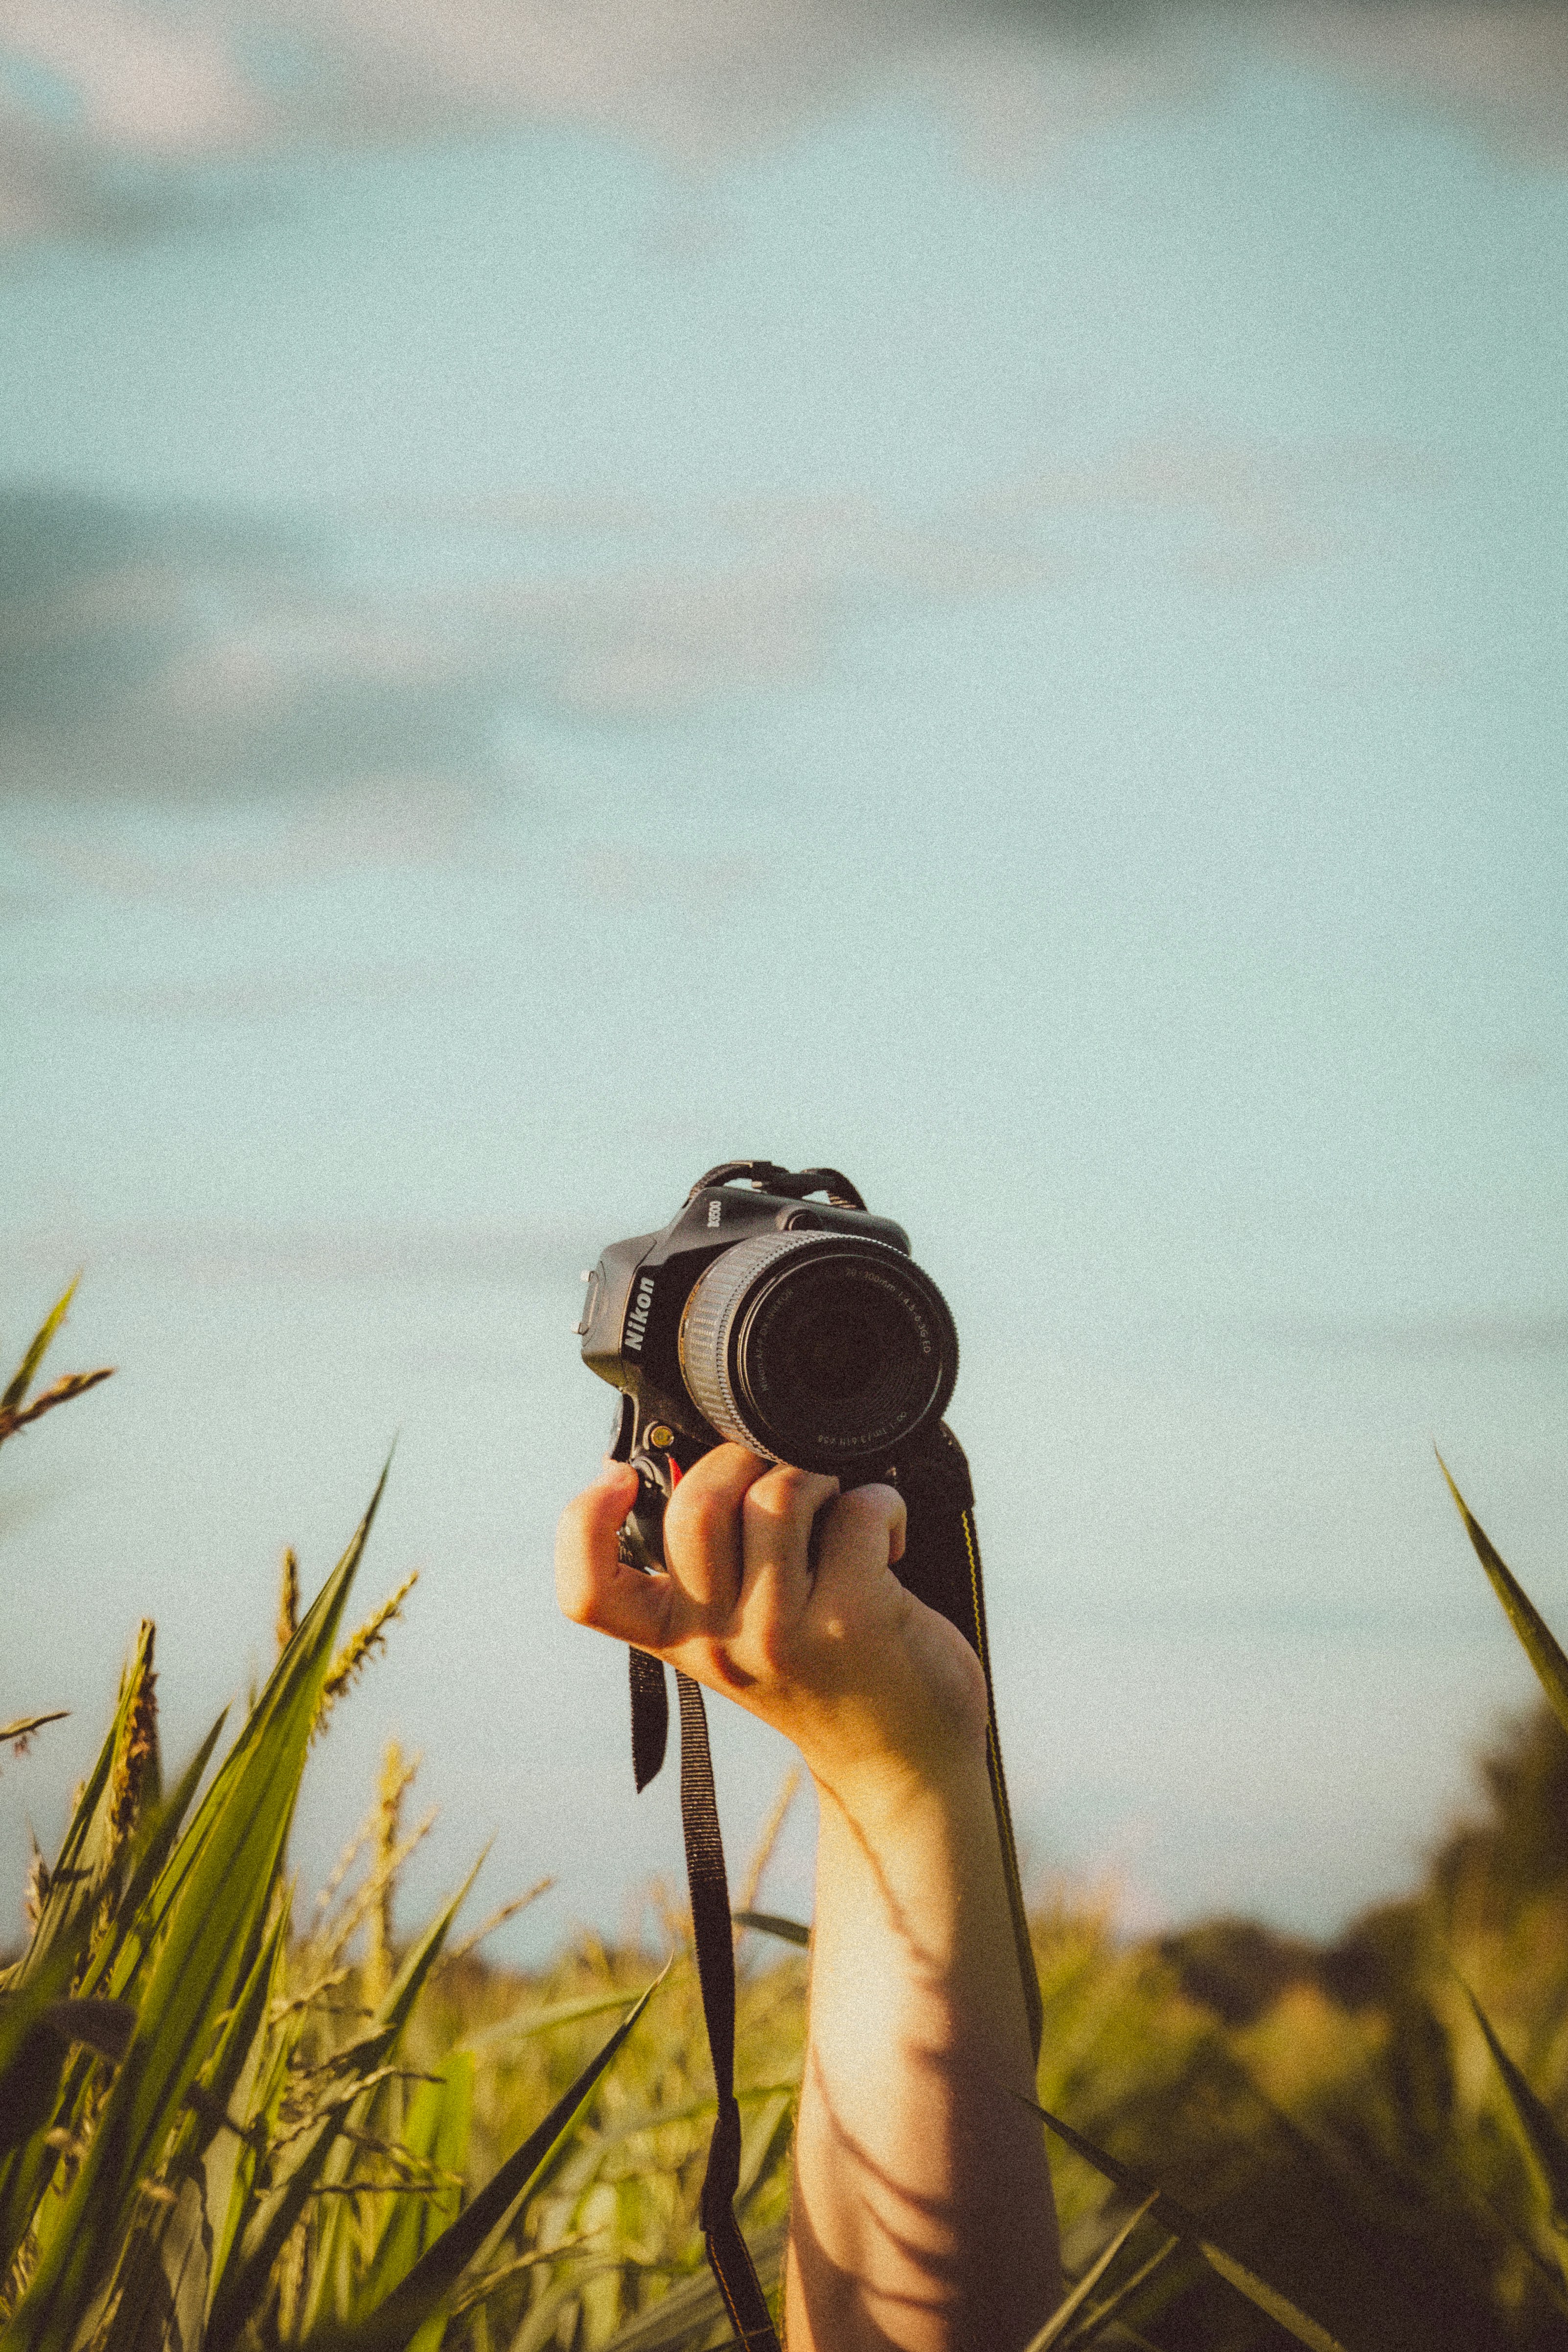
x=225, y=2123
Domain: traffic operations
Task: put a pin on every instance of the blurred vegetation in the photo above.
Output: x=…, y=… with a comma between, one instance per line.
x=225, y=2124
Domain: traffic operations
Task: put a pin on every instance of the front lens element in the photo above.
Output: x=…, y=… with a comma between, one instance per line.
x=820, y=1349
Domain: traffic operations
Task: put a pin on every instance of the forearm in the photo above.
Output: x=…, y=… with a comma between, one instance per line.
x=923, y=2217
x=923, y=2220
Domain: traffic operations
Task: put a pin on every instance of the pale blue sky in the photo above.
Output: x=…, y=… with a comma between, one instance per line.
x=1026, y=662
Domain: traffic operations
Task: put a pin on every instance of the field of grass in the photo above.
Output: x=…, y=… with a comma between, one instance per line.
x=222, y=2123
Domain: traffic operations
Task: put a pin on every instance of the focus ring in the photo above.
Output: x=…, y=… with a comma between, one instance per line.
x=710, y=1318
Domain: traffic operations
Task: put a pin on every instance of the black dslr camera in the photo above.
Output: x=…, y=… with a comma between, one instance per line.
x=804, y=1332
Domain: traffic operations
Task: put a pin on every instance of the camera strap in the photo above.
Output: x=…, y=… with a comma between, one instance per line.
x=940, y=1566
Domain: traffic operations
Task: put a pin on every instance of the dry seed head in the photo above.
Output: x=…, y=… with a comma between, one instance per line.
x=497, y=1918
x=16, y=1416
x=396, y=1777
x=335, y=1877
x=287, y=1599
x=336, y=1939
x=35, y=1894
x=359, y=1647
x=137, y=1759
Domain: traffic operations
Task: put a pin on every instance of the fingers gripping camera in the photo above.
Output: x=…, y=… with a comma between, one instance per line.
x=806, y=1333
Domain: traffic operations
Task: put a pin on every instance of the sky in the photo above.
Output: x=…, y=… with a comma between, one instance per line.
x=974, y=595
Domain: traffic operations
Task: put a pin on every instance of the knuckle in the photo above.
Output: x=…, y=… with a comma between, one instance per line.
x=701, y=1518
x=871, y=1512
x=786, y=1493
x=769, y=1499
x=864, y=1506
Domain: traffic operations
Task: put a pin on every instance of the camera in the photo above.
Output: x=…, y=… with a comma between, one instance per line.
x=799, y=1328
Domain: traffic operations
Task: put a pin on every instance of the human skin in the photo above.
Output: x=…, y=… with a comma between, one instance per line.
x=922, y=2219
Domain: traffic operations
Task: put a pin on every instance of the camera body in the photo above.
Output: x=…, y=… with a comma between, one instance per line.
x=799, y=1328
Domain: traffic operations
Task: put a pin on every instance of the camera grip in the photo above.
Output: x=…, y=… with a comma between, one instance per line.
x=642, y=1529
x=659, y=1464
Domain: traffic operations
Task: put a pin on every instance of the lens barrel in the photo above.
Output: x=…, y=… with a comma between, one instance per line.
x=826, y=1350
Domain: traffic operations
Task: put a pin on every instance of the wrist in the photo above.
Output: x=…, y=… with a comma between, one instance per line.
x=884, y=1794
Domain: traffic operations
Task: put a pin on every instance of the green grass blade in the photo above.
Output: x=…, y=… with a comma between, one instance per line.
x=139, y=1915
x=32, y=2058
x=1104, y=2314
x=1267, y=2299
x=158, y=2299
x=347, y=2228
x=1073, y=2301
x=105, y=2026
x=420, y=1958
x=1541, y=2135
x=1188, y=2228
x=39, y=2082
x=542, y=2021
x=230, y=2085
x=769, y=1923
x=300, y=1656
x=686, y=2315
x=265, y=2106
x=437, y=2274
x=209, y=1942
x=267, y=2225
x=213, y=2094
x=436, y=2132
x=11, y=1397
x=1538, y=1643
x=65, y=1923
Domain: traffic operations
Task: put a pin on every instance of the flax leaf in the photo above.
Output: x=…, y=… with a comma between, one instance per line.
x=21, y=1380
x=267, y=2227
x=1539, y=2132
x=208, y=1949
x=769, y=1923
x=1187, y=2227
x=431, y=2285
x=1062, y=2316
x=1540, y=1644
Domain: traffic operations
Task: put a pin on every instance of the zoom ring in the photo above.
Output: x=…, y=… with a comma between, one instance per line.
x=709, y=1320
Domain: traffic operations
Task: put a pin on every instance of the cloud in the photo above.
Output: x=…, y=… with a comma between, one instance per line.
x=1269, y=508
x=133, y=78
x=180, y=657
x=89, y=88
x=93, y=89
x=1501, y=69
x=176, y=653
x=54, y=188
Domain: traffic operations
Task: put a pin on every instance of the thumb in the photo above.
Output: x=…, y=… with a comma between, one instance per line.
x=592, y=1584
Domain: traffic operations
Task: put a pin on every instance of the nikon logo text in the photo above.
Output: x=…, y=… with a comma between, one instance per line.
x=637, y=1321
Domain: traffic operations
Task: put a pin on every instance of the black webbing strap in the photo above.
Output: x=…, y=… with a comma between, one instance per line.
x=650, y=1717
x=941, y=1567
x=728, y=2255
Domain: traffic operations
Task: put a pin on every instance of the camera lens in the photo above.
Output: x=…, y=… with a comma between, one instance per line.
x=821, y=1349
